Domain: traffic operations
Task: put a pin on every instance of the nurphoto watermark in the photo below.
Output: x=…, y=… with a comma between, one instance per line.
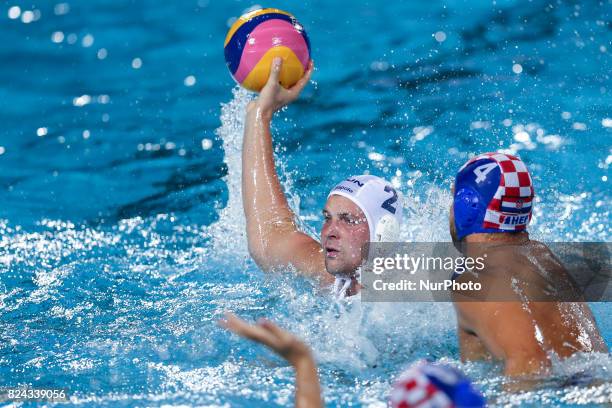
x=496, y=272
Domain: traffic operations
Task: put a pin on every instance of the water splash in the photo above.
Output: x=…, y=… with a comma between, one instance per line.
x=231, y=225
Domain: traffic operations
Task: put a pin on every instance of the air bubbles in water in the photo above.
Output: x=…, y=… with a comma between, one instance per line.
x=81, y=100
x=206, y=144
x=189, y=80
x=440, y=36
x=57, y=37
x=14, y=12
x=28, y=16
x=87, y=41
x=61, y=9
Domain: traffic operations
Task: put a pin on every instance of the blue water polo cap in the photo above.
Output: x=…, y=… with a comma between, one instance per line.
x=493, y=193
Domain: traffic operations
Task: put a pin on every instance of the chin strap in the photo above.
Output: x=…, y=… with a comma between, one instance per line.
x=343, y=283
x=341, y=286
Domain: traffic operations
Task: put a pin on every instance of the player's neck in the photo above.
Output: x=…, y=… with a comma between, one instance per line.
x=355, y=287
x=501, y=238
x=475, y=244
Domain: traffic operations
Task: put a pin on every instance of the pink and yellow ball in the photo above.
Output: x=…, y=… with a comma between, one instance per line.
x=259, y=36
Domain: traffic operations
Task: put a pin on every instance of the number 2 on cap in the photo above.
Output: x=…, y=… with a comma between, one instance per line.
x=482, y=171
x=387, y=204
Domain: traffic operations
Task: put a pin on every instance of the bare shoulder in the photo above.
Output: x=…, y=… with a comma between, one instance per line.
x=305, y=254
x=538, y=247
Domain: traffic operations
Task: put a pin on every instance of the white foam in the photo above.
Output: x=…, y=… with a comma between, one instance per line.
x=231, y=226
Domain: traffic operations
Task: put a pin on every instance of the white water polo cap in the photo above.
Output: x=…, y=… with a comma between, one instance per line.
x=379, y=201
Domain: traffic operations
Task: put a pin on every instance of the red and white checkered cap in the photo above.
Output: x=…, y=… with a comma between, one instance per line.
x=514, y=194
x=415, y=390
x=434, y=385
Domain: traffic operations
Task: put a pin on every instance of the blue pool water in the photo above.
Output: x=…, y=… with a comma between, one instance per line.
x=121, y=228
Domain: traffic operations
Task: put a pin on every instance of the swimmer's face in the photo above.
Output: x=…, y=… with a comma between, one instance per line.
x=344, y=235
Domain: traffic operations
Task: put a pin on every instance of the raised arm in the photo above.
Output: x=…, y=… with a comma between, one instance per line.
x=273, y=237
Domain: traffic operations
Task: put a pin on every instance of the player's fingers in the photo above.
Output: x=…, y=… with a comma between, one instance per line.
x=277, y=64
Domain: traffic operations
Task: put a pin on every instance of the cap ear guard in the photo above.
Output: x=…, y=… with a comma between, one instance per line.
x=468, y=210
x=387, y=229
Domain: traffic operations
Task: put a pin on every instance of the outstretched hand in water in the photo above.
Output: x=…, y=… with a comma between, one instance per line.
x=288, y=346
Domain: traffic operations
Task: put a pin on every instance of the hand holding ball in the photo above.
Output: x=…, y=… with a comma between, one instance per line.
x=256, y=38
